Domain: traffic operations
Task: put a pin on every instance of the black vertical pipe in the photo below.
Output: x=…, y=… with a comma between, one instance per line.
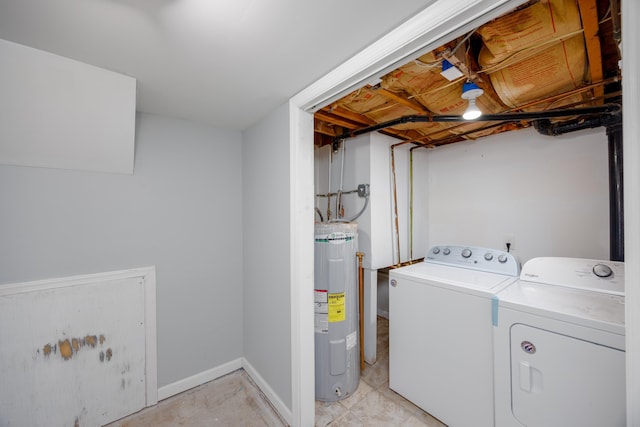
x=616, y=198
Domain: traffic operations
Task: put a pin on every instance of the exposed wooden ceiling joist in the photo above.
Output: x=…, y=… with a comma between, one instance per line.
x=589, y=15
x=402, y=100
x=565, y=57
x=338, y=120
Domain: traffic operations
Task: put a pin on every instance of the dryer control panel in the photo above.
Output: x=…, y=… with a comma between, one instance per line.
x=475, y=258
x=580, y=273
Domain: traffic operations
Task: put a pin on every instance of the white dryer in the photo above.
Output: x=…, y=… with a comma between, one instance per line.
x=440, y=331
x=560, y=345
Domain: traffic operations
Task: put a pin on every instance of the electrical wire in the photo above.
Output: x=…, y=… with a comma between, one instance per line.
x=464, y=40
x=356, y=216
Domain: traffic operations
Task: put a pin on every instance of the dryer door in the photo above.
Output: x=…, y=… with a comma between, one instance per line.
x=562, y=381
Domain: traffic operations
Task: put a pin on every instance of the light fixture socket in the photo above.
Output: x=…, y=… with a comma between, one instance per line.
x=470, y=90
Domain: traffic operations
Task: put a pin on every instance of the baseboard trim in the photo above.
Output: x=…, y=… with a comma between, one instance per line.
x=199, y=379
x=271, y=395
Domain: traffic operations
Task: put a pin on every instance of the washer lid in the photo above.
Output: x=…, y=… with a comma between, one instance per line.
x=458, y=279
x=580, y=273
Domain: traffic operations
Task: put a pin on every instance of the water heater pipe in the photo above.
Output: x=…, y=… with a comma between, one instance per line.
x=329, y=187
x=339, y=209
x=616, y=193
x=395, y=195
x=360, y=255
x=411, y=202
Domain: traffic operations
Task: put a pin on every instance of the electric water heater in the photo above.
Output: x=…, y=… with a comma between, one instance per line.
x=337, y=349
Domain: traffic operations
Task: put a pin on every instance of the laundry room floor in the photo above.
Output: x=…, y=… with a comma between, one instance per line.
x=234, y=400
x=230, y=401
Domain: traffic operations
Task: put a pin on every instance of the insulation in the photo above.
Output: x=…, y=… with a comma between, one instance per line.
x=422, y=82
x=376, y=107
x=535, y=52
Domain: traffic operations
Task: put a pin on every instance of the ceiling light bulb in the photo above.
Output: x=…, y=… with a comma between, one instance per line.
x=472, y=111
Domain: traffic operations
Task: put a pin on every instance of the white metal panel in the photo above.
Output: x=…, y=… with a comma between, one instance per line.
x=60, y=113
x=77, y=350
x=440, y=355
x=510, y=316
x=561, y=381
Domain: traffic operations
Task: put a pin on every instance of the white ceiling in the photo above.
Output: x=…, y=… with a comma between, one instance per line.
x=223, y=62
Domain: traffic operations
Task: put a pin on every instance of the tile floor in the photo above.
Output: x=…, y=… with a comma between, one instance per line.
x=229, y=401
x=234, y=400
x=373, y=403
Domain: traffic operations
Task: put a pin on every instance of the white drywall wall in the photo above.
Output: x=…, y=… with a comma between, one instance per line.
x=180, y=211
x=549, y=195
x=59, y=113
x=266, y=190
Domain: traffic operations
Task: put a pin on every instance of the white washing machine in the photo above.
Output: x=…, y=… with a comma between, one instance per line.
x=440, y=331
x=560, y=345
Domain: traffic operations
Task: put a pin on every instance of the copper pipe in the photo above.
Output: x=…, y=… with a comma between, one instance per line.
x=395, y=199
x=411, y=202
x=360, y=255
x=403, y=264
x=395, y=194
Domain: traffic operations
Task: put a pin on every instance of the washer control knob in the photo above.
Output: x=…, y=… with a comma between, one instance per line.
x=502, y=258
x=488, y=256
x=436, y=251
x=602, y=270
x=446, y=251
x=466, y=253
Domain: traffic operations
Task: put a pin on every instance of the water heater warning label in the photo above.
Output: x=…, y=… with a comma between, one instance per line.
x=337, y=311
x=328, y=308
x=321, y=311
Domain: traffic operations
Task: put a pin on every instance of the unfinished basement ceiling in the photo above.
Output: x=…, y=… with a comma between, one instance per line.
x=545, y=55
